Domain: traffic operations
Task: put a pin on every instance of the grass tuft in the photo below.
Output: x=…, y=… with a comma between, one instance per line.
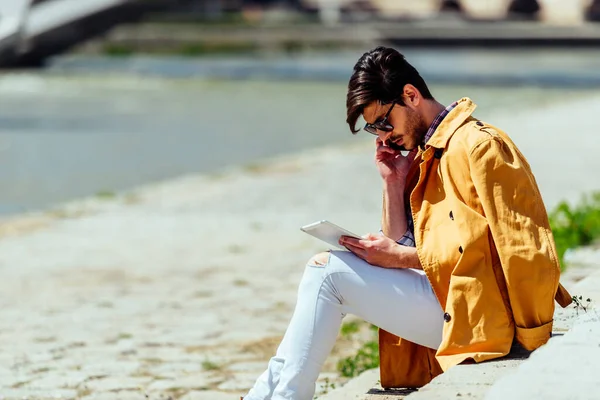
x=574, y=226
x=366, y=358
x=348, y=328
x=208, y=365
x=106, y=194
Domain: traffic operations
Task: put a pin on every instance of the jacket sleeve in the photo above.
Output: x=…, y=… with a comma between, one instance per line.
x=518, y=224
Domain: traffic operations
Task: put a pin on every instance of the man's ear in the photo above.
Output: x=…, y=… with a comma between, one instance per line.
x=411, y=96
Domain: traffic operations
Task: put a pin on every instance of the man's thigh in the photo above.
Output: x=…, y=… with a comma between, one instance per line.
x=401, y=301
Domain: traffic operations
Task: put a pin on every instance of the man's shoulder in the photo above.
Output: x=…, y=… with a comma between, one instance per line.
x=472, y=133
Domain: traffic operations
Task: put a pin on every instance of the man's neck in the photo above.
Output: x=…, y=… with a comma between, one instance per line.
x=431, y=110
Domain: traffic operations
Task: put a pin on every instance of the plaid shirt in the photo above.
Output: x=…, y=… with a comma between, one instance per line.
x=408, y=239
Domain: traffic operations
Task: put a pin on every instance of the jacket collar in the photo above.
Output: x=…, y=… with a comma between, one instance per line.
x=451, y=123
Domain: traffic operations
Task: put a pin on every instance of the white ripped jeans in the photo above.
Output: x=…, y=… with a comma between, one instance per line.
x=400, y=301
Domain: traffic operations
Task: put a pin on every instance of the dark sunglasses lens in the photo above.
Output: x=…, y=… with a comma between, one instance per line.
x=385, y=127
x=371, y=129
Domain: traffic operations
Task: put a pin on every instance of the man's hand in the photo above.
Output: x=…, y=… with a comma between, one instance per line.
x=377, y=250
x=392, y=165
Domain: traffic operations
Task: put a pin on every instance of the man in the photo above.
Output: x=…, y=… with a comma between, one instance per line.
x=466, y=262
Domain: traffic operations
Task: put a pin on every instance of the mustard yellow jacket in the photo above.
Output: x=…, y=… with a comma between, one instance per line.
x=485, y=244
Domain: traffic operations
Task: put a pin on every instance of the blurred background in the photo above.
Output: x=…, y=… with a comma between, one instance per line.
x=97, y=96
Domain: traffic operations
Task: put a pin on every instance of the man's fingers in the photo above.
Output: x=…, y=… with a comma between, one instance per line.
x=357, y=250
x=365, y=243
x=384, y=149
x=370, y=236
x=349, y=240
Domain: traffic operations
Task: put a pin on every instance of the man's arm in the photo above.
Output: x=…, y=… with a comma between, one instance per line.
x=393, y=220
x=393, y=168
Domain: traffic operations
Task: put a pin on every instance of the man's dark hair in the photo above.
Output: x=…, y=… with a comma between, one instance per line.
x=380, y=75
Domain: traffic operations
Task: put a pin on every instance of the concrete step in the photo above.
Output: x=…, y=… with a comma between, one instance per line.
x=566, y=368
x=510, y=375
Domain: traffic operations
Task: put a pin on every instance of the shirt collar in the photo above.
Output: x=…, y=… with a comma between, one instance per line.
x=462, y=112
x=436, y=122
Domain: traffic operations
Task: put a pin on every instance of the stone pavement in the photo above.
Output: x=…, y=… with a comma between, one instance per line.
x=180, y=290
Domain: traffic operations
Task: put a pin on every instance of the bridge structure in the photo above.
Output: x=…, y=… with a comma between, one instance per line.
x=32, y=30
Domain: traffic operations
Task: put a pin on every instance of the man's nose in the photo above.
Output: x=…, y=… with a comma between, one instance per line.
x=384, y=137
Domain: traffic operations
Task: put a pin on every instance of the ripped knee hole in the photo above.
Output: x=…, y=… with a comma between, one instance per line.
x=320, y=260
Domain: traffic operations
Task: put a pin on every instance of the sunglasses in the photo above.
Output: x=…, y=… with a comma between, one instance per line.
x=381, y=125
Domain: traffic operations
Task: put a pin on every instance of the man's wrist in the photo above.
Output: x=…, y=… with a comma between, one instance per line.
x=395, y=183
x=400, y=257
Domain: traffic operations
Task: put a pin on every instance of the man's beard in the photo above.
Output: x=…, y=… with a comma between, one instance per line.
x=415, y=129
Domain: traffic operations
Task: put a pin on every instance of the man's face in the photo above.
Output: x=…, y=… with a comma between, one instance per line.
x=409, y=128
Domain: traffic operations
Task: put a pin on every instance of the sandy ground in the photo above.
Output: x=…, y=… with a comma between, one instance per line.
x=183, y=289
x=180, y=289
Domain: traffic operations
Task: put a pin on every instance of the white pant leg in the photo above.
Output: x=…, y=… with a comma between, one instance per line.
x=401, y=301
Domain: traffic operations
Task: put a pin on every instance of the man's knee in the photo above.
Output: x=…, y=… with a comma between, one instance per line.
x=320, y=260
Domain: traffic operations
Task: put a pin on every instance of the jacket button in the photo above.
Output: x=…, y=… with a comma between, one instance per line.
x=451, y=216
x=460, y=249
x=479, y=123
x=447, y=317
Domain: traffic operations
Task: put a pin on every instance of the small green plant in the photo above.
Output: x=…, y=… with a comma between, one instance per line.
x=208, y=365
x=83, y=392
x=348, y=328
x=328, y=386
x=117, y=50
x=574, y=226
x=124, y=335
x=366, y=358
x=106, y=194
x=578, y=301
x=241, y=282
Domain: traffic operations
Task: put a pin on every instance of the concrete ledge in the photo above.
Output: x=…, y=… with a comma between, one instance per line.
x=572, y=357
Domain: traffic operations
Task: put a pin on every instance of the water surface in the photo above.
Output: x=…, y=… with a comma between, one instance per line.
x=67, y=132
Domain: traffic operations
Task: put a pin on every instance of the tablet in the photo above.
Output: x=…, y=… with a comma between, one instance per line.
x=328, y=232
